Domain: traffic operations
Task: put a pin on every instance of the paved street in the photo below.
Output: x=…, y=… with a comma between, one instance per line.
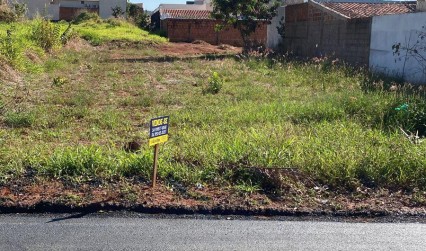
x=147, y=233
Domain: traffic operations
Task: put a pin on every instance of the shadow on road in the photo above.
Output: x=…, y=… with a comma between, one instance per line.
x=74, y=216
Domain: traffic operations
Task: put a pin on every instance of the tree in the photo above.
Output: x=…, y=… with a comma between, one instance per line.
x=244, y=15
x=117, y=11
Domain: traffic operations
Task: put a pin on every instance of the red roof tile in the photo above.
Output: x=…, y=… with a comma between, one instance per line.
x=362, y=10
x=185, y=14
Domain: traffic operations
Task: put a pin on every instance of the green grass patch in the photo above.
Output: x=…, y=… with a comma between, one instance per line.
x=115, y=30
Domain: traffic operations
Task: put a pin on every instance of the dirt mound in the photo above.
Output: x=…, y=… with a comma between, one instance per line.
x=78, y=44
x=33, y=57
x=200, y=42
x=8, y=74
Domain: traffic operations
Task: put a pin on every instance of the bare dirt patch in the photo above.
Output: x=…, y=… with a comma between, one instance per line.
x=31, y=195
x=78, y=44
x=8, y=74
x=196, y=48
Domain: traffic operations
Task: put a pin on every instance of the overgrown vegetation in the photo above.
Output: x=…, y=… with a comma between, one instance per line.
x=337, y=125
x=23, y=43
x=75, y=112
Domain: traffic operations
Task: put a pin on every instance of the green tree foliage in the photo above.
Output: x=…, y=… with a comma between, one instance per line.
x=245, y=14
x=117, y=11
x=136, y=14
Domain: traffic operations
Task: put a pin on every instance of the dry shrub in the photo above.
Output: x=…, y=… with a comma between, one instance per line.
x=78, y=44
x=7, y=14
x=7, y=73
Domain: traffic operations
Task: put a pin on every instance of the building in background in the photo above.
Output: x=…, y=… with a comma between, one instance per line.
x=67, y=9
x=192, y=21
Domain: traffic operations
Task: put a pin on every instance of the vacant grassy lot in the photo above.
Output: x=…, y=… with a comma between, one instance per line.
x=74, y=117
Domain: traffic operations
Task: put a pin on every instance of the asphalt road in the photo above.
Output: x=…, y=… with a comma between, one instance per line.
x=148, y=233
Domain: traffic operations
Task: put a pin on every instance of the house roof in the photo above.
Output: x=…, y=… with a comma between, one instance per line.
x=185, y=14
x=364, y=10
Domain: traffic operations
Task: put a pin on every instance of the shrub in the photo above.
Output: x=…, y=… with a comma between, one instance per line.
x=46, y=34
x=1, y=106
x=19, y=119
x=86, y=16
x=138, y=16
x=8, y=47
x=117, y=11
x=20, y=10
x=410, y=116
x=6, y=14
x=115, y=22
x=214, y=85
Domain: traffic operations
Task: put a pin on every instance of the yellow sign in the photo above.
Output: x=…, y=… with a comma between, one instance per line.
x=158, y=140
x=159, y=130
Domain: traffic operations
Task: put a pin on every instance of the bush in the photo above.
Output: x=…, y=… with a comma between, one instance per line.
x=19, y=119
x=113, y=22
x=46, y=34
x=6, y=14
x=20, y=10
x=214, y=84
x=138, y=16
x=86, y=16
x=117, y=11
x=410, y=116
x=9, y=49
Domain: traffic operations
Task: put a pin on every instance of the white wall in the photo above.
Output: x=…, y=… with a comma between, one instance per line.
x=78, y=4
x=106, y=5
x=389, y=30
x=274, y=39
x=41, y=7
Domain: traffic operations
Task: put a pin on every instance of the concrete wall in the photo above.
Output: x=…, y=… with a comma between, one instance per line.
x=313, y=32
x=189, y=30
x=52, y=8
x=79, y=4
x=105, y=7
x=391, y=29
x=69, y=14
x=274, y=39
x=41, y=7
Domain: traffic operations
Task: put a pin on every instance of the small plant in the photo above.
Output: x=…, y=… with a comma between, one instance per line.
x=67, y=35
x=117, y=11
x=1, y=106
x=9, y=49
x=59, y=81
x=19, y=119
x=214, y=84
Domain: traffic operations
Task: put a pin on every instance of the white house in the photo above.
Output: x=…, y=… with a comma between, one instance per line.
x=66, y=9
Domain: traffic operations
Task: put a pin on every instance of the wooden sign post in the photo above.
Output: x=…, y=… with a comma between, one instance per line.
x=158, y=133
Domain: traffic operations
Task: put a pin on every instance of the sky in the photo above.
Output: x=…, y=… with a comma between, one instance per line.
x=152, y=4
